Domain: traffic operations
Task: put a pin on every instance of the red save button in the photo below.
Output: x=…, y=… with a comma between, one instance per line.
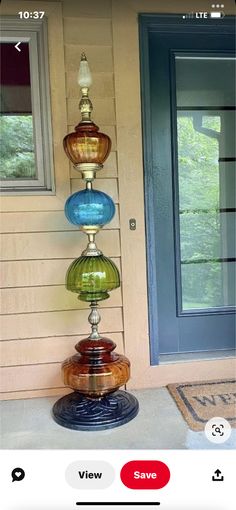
x=145, y=474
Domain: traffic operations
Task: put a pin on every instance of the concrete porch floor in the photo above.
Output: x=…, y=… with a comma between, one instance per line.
x=27, y=424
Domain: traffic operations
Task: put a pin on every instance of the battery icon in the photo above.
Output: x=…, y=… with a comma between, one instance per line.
x=216, y=14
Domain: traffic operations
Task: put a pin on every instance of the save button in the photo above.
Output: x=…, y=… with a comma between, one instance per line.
x=145, y=474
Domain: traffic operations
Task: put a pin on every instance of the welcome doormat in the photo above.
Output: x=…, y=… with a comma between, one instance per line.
x=200, y=401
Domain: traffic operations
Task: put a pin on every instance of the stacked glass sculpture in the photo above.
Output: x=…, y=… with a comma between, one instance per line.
x=96, y=372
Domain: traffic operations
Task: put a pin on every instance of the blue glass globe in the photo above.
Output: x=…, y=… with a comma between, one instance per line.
x=89, y=207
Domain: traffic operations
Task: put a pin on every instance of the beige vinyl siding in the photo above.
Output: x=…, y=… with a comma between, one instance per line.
x=54, y=349
x=47, y=245
x=49, y=299
x=49, y=221
x=34, y=273
x=40, y=320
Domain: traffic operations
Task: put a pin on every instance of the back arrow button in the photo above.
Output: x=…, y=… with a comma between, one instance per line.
x=17, y=46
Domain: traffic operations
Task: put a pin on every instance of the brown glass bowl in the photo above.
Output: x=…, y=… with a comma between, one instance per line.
x=87, y=145
x=96, y=370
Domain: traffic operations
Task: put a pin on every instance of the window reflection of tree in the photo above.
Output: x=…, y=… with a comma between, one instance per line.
x=208, y=284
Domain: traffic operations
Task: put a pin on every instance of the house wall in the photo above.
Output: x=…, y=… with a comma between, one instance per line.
x=41, y=321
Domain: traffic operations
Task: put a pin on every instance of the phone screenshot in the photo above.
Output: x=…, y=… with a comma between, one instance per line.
x=118, y=255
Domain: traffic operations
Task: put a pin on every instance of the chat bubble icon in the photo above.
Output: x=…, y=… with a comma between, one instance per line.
x=18, y=474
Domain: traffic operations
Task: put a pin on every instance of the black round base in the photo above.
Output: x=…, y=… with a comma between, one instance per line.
x=75, y=411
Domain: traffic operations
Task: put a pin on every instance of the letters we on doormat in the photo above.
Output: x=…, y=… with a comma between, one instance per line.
x=199, y=401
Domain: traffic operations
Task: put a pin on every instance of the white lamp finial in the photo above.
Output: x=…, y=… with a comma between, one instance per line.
x=84, y=75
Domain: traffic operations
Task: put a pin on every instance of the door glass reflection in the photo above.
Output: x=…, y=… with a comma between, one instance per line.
x=206, y=181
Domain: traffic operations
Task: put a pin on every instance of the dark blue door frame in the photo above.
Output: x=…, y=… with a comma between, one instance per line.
x=162, y=26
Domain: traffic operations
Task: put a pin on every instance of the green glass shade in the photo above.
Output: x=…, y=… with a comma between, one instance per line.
x=92, y=277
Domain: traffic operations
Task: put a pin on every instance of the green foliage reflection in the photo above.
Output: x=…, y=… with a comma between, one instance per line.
x=200, y=226
x=17, y=147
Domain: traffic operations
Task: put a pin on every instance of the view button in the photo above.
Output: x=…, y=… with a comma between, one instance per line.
x=90, y=474
x=145, y=474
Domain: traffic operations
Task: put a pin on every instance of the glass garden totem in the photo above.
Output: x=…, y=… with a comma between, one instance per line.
x=96, y=372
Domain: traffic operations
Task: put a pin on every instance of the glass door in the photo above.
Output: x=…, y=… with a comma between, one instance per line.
x=189, y=145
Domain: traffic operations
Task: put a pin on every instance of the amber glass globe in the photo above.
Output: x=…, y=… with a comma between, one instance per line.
x=96, y=370
x=92, y=277
x=87, y=145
